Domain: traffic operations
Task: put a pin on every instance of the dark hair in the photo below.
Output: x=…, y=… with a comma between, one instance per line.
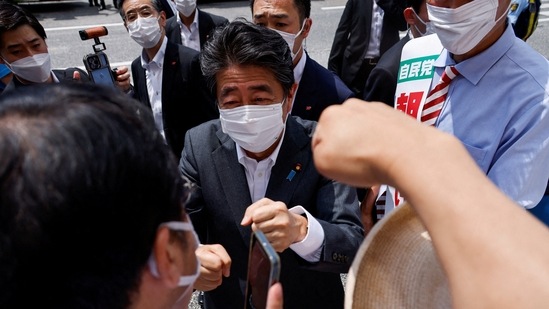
x=13, y=16
x=415, y=4
x=244, y=43
x=155, y=3
x=85, y=181
x=303, y=8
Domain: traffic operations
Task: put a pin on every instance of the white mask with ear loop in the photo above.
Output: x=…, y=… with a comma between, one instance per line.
x=145, y=31
x=427, y=24
x=253, y=127
x=462, y=28
x=36, y=68
x=185, y=7
x=290, y=39
x=187, y=280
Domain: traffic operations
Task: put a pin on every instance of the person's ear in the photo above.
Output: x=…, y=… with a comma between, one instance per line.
x=290, y=97
x=168, y=256
x=410, y=16
x=307, y=27
x=162, y=19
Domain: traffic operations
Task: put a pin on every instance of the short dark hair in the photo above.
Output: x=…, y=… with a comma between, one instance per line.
x=303, y=8
x=244, y=43
x=85, y=182
x=13, y=16
x=155, y=3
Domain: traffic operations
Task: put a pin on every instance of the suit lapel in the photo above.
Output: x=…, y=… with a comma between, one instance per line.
x=205, y=23
x=293, y=158
x=142, y=83
x=169, y=69
x=233, y=182
x=304, y=90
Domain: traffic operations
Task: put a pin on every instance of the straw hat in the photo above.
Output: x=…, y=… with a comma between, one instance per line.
x=396, y=267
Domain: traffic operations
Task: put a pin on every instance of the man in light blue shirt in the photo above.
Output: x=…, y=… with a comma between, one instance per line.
x=497, y=105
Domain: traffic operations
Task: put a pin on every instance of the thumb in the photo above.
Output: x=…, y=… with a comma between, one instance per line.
x=76, y=75
x=274, y=298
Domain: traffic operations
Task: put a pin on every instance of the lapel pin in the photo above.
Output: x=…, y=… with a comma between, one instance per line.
x=294, y=171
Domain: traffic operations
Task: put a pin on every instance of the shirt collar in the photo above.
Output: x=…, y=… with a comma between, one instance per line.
x=299, y=68
x=158, y=58
x=474, y=68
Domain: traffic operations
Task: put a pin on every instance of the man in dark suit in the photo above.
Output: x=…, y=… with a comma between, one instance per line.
x=317, y=87
x=24, y=51
x=367, y=29
x=192, y=27
x=381, y=84
x=166, y=76
x=253, y=169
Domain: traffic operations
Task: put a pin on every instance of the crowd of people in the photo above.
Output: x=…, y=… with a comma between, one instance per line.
x=137, y=196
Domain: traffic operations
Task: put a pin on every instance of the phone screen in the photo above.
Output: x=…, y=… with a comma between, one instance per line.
x=102, y=76
x=263, y=271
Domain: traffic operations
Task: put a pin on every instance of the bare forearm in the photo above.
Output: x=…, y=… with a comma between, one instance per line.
x=490, y=248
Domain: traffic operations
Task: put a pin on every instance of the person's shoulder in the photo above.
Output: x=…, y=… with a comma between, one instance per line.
x=171, y=23
x=392, y=56
x=206, y=128
x=305, y=125
x=324, y=79
x=184, y=51
x=216, y=19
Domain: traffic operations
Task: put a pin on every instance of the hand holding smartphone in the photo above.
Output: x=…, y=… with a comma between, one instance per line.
x=263, y=271
x=99, y=69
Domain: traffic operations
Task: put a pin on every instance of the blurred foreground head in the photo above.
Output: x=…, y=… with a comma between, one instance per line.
x=85, y=183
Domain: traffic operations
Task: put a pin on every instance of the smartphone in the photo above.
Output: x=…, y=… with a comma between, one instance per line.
x=99, y=69
x=263, y=271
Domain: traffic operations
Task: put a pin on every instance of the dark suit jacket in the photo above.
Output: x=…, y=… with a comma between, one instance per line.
x=207, y=22
x=318, y=89
x=381, y=84
x=353, y=34
x=63, y=75
x=209, y=160
x=186, y=102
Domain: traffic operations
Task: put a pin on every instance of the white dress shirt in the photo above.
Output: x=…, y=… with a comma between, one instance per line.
x=190, y=37
x=257, y=175
x=153, y=76
x=374, y=43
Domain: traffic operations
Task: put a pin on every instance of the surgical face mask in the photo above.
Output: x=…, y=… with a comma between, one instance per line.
x=36, y=68
x=253, y=127
x=290, y=39
x=145, y=31
x=185, y=7
x=462, y=28
x=427, y=24
x=187, y=280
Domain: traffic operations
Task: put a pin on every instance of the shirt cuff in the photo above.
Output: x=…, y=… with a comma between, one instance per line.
x=310, y=248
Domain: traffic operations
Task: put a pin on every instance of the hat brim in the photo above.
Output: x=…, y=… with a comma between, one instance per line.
x=396, y=266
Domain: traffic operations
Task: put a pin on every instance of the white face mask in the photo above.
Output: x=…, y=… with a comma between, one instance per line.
x=36, y=69
x=145, y=31
x=185, y=7
x=187, y=280
x=427, y=24
x=290, y=39
x=462, y=28
x=253, y=127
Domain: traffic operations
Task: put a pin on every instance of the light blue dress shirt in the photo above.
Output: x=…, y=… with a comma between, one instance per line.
x=498, y=108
